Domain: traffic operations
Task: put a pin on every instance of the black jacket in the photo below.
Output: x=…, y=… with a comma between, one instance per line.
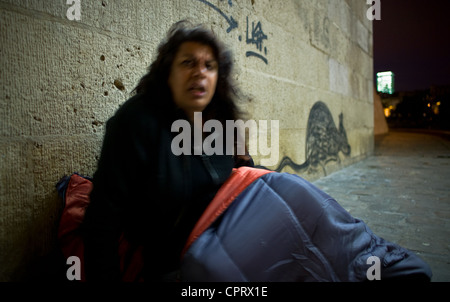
x=142, y=189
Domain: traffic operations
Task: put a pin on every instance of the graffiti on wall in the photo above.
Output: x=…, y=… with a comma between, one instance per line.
x=232, y=24
x=256, y=37
x=254, y=34
x=324, y=141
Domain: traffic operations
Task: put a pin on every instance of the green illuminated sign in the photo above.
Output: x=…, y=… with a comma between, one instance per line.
x=385, y=82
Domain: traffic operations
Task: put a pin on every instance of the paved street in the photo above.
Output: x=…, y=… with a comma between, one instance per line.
x=402, y=192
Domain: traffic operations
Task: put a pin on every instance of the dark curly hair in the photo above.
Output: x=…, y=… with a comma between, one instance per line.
x=154, y=84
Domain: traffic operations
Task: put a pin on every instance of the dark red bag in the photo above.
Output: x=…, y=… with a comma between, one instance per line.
x=75, y=192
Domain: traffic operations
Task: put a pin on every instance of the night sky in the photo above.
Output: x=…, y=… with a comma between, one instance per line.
x=412, y=40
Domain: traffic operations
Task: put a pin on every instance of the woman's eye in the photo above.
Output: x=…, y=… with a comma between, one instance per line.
x=211, y=66
x=187, y=62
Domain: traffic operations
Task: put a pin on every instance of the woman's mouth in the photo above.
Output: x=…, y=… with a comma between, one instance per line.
x=197, y=90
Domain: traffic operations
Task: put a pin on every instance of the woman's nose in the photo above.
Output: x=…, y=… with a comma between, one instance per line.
x=200, y=70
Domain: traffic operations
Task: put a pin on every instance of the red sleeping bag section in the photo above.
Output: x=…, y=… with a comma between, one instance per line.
x=239, y=180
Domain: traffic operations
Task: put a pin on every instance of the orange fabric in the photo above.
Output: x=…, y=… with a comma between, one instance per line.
x=240, y=179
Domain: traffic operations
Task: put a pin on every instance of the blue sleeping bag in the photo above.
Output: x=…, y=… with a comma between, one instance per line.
x=269, y=226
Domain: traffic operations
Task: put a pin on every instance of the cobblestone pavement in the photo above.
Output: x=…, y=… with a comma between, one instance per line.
x=402, y=193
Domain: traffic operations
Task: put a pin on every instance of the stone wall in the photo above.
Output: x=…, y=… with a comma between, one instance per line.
x=305, y=63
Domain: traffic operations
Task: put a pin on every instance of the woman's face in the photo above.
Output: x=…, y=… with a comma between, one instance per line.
x=193, y=77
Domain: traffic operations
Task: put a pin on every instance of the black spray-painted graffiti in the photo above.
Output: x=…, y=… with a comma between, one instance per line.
x=255, y=35
x=231, y=22
x=323, y=141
